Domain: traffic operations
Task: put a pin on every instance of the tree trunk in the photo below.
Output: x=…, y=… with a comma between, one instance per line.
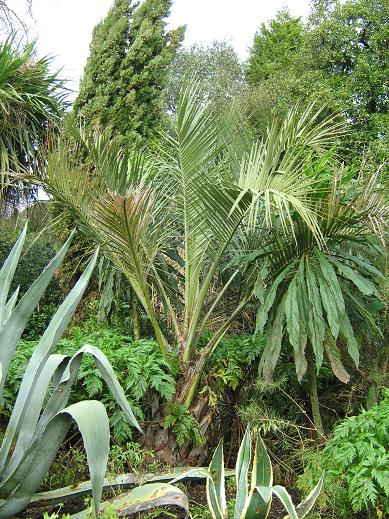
x=312, y=380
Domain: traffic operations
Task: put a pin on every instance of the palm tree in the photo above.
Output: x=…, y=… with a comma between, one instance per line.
x=168, y=219
x=311, y=291
x=31, y=104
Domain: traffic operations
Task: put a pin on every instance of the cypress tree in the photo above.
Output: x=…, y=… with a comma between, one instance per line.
x=127, y=69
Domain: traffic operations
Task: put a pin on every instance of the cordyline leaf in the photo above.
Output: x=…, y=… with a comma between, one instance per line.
x=331, y=278
x=352, y=344
x=333, y=317
x=363, y=284
x=273, y=346
x=242, y=473
x=361, y=263
x=316, y=324
x=259, y=289
x=295, y=327
x=263, y=311
x=215, y=485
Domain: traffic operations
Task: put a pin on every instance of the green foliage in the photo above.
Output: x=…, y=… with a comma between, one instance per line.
x=140, y=367
x=184, y=425
x=274, y=47
x=229, y=364
x=122, y=86
x=217, y=67
x=339, y=57
x=131, y=457
x=69, y=468
x=31, y=103
x=356, y=460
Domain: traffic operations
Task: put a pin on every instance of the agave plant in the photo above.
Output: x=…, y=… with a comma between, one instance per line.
x=253, y=496
x=40, y=418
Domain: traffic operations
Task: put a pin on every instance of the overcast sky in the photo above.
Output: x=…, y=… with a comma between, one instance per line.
x=64, y=27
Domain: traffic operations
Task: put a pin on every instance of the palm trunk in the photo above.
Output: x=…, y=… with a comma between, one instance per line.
x=135, y=316
x=312, y=380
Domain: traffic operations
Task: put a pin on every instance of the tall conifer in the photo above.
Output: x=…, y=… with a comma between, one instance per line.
x=127, y=69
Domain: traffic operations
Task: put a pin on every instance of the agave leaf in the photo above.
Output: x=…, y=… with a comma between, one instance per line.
x=16, y=467
x=262, y=475
x=111, y=380
x=13, y=328
x=197, y=472
x=306, y=506
x=265, y=492
x=92, y=420
x=242, y=473
x=7, y=272
x=144, y=498
x=286, y=500
x=30, y=417
x=37, y=464
x=216, y=495
x=256, y=505
x=40, y=355
x=8, y=309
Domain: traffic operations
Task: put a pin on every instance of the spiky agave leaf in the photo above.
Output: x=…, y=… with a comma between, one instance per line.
x=36, y=429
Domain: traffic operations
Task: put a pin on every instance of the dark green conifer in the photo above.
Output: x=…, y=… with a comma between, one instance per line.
x=127, y=69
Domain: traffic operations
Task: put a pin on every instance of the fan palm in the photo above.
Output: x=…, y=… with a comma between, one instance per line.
x=167, y=219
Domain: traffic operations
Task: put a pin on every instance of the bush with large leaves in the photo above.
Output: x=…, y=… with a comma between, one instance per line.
x=40, y=417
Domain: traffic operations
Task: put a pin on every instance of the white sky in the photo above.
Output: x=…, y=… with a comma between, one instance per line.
x=64, y=27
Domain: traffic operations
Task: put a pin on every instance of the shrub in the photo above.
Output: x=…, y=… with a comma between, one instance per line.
x=356, y=460
x=139, y=366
